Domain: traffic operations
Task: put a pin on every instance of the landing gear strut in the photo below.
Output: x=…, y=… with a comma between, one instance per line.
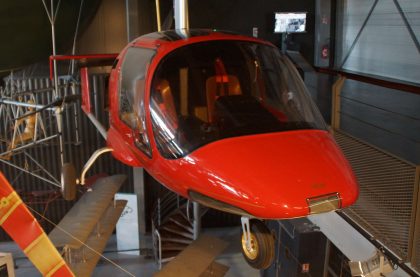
x=257, y=243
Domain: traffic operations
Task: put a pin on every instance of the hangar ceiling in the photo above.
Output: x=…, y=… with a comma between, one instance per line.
x=26, y=31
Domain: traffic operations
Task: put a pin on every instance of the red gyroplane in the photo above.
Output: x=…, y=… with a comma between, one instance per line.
x=226, y=121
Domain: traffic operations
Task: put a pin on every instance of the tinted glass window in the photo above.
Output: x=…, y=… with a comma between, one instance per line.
x=131, y=104
x=214, y=90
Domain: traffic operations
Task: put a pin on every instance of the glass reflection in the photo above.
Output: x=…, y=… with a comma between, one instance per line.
x=213, y=90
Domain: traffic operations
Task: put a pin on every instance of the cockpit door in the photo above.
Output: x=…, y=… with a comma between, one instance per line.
x=132, y=95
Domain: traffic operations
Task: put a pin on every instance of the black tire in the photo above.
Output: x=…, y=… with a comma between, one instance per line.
x=68, y=182
x=263, y=244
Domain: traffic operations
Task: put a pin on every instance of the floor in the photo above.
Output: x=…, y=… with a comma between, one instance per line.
x=118, y=264
x=125, y=264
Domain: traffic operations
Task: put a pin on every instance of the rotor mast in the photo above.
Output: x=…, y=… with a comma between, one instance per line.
x=181, y=14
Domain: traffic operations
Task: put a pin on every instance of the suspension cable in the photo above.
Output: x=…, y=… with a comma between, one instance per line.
x=76, y=32
x=84, y=244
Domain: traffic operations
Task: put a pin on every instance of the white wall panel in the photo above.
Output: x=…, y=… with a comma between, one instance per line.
x=385, y=46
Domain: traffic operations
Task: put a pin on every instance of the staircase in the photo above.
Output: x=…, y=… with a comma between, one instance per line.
x=174, y=235
x=172, y=227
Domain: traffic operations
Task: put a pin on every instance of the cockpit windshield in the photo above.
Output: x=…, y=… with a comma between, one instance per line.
x=213, y=90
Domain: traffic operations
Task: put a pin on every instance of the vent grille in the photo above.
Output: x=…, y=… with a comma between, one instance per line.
x=388, y=193
x=325, y=203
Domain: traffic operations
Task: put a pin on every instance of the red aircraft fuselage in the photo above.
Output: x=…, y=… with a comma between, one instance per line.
x=225, y=120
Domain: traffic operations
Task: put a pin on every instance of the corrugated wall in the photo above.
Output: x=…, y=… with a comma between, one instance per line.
x=384, y=117
x=379, y=37
x=40, y=195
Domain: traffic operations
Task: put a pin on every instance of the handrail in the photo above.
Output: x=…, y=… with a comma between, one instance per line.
x=158, y=240
x=371, y=80
x=395, y=260
x=166, y=205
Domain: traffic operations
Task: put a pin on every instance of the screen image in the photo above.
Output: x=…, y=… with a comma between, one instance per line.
x=290, y=22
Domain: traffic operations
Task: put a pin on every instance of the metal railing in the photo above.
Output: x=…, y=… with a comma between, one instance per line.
x=165, y=206
x=388, y=208
x=388, y=194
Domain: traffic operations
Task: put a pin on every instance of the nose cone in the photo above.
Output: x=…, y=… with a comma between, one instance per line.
x=276, y=175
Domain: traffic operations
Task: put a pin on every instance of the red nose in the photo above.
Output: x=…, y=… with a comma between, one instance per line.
x=274, y=175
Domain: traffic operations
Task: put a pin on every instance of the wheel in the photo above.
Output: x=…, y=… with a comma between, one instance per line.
x=68, y=181
x=261, y=253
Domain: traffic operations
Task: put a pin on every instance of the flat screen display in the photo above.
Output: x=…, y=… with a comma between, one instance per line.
x=290, y=22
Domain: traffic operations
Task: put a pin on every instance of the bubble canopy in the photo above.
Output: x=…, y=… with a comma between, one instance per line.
x=214, y=90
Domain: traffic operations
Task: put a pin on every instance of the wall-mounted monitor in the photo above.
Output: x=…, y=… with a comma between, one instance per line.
x=290, y=22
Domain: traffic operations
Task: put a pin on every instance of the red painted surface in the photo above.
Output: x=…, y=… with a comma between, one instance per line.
x=62, y=272
x=5, y=189
x=84, y=83
x=268, y=175
x=22, y=219
x=24, y=229
x=124, y=149
x=78, y=57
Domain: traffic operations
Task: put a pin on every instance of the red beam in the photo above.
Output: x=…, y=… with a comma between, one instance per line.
x=372, y=80
x=84, y=80
x=112, y=56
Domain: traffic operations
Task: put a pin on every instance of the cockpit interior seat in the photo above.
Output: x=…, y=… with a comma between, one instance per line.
x=220, y=85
